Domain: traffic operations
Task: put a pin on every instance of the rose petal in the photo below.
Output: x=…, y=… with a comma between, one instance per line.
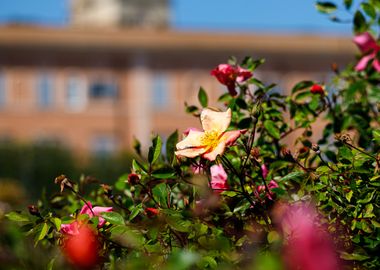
x=86, y=210
x=230, y=137
x=190, y=152
x=365, y=42
x=70, y=229
x=215, y=152
x=192, y=140
x=376, y=65
x=363, y=62
x=215, y=121
x=98, y=210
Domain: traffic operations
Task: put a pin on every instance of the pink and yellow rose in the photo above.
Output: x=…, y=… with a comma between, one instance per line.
x=214, y=138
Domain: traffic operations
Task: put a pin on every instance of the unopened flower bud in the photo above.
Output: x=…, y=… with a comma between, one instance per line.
x=334, y=67
x=317, y=89
x=286, y=153
x=151, y=212
x=255, y=152
x=33, y=210
x=315, y=148
x=133, y=179
x=303, y=152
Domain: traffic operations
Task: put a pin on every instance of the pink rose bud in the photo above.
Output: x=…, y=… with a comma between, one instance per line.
x=218, y=178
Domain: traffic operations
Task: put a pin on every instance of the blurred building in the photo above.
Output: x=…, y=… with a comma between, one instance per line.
x=120, y=13
x=95, y=89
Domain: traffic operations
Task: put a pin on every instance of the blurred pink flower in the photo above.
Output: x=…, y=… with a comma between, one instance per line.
x=230, y=75
x=309, y=246
x=368, y=46
x=213, y=140
x=73, y=228
x=218, y=178
x=82, y=249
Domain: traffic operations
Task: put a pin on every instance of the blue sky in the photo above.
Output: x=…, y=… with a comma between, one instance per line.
x=275, y=16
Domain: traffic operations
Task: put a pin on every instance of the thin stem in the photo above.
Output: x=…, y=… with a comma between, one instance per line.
x=81, y=198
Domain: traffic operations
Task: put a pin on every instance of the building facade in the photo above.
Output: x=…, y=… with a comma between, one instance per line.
x=95, y=90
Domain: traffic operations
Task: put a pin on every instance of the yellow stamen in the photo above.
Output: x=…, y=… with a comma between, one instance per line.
x=210, y=139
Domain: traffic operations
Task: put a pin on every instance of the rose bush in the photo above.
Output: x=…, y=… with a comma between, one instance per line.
x=235, y=196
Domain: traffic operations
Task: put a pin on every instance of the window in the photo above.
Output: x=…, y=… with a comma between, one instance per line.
x=3, y=94
x=103, y=89
x=76, y=96
x=103, y=145
x=45, y=91
x=160, y=89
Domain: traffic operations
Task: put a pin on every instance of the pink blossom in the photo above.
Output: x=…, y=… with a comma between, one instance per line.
x=230, y=75
x=96, y=211
x=73, y=228
x=309, y=246
x=272, y=184
x=264, y=171
x=218, y=178
x=368, y=46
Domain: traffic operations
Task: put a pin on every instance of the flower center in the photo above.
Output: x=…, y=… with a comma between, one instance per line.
x=210, y=139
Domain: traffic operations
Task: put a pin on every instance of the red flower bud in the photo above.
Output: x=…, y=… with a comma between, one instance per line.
x=317, y=89
x=82, y=249
x=133, y=179
x=151, y=212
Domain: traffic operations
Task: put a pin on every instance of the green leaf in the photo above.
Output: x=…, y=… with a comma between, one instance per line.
x=127, y=236
x=245, y=123
x=160, y=193
x=155, y=149
x=50, y=264
x=292, y=175
x=137, y=146
x=137, y=166
x=241, y=103
x=347, y=4
x=301, y=86
x=178, y=224
x=163, y=173
x=170, y=146
x=360, y=24
x=325, y=7
x=209, y=262
x=135, y=211
x=273, y=236
x=354, y=256
x=272, y=129
x=257, y=63
x=42, y=232
x=57, y=222
x=202, y=97
x=376, y=135
x=229, y=193
x=349, y=195
x=18, y=217
x=369, y=10
x=113, y=218
x=191, y=108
